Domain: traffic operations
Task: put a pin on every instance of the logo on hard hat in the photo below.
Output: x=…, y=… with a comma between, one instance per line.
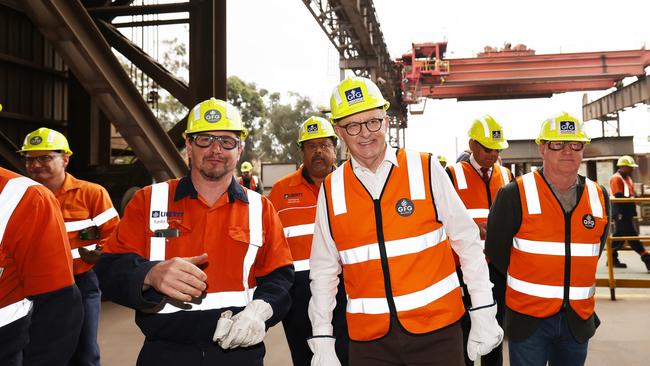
x=405, y=207
x=588, y=221
x=354, y=96
x=212, y=116
x=36, y=140
x=567, y=127
x=496, y=135
x=313, y=128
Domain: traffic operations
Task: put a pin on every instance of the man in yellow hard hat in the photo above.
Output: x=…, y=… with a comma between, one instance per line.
x=388, y=219
x=477, y=182
x=192, y=251
x=295, y=197
x=249, y=180
x=89, y=217
x=546, y=231
x=621, y=186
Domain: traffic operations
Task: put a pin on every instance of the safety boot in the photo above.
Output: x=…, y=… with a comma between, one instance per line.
x=618, y=264
x=646, y=259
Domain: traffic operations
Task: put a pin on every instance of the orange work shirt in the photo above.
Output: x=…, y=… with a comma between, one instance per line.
x=295, y=200
x=89, y=217
x=34, y=251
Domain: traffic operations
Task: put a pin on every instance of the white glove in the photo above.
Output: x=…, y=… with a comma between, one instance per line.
x=485, y=333
x=248, y=327
x=324, y=351
x=223, y=326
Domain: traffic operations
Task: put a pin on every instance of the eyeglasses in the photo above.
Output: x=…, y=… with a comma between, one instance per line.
x=313, y=146
x=43, y=159
x=225, y=142
x=559, y=145
x=354, y=128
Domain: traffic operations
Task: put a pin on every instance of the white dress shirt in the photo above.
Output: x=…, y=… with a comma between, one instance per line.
x=463, y=236
x=478, y=167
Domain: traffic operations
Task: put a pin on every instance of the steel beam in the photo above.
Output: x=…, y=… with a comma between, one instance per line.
x=207, y=49
x=116, y=11
x=175, y=86
x=8, y=152
x=151, y=23
x=625, y=97
x=67, y=25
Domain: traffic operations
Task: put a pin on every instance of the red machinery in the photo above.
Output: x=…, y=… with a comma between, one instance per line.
x=512, y=72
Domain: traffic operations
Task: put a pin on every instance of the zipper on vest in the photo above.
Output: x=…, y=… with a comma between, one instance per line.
x=384, y=258
x=567, y=256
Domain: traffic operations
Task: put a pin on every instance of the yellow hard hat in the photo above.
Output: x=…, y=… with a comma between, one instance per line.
x=45, y=139
x=442, y=158
x=562, y=128
x=214, y=115
x=626, y=160
x=315, y=128
x=489, y=133
x=0, y=107
x=353, y=95
x=246, y=167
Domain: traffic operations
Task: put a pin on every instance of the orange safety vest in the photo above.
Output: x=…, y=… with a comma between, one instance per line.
x=536, y=283
x=476, y=195
x=394, y=251
x=254, y=182
x=295, y=200
x=618, y=184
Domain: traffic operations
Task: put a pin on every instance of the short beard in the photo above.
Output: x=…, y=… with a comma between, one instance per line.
x=213, y=177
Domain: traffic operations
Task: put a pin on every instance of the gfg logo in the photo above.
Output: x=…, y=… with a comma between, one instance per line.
x=354, y=96
x=588, y=221
x=567, y=127
x=496, y=135
x=312, y=128
x=212, y=116
x=36, y=140
x=405, y=207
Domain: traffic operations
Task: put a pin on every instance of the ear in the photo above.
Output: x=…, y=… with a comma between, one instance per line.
x=66, y=160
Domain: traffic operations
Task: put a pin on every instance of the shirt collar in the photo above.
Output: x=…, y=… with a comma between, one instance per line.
x=186, y=188
x=390, y=156
x=69, y=183
x=475, y=163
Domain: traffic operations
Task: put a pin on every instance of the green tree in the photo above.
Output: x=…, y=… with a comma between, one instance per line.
x=250, y=103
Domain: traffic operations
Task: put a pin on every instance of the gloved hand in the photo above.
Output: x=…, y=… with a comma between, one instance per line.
x=485, y=333
x=324, y=351
x=223, y=326
x=248, y=327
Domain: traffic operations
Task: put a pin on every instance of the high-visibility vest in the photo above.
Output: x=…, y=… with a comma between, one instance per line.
x=295, y=202
x=10, y=197
x=254, y=182
x=541, y=250
x=475, y=193
x=211, y=300
x=394, y=251
x=628, y=185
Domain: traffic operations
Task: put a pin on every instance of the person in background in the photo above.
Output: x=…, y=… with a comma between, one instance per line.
x=477, y=182
x=545, y=233
x=249, y=180
x=442, y=160
x=621, y=186
x=294, y=196
x=388, y=219
x=191, y=252
x=40, y=306
x=89, y=220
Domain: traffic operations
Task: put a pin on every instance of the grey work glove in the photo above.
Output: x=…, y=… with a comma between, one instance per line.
x=248, y=326
x=324, y=351
x=223, y=326
x=485, y=333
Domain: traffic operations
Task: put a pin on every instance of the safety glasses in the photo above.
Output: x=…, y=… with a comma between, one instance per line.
x=559, y=145
x=43, y=159
x=225, y=142
x=354, y=128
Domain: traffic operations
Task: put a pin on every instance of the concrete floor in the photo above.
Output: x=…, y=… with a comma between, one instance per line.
x=621, y=339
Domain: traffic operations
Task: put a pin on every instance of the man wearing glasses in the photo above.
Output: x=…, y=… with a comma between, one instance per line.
x=388, y=219
x=294, y=196
x=89, y=220
x=477, y=181
x=545, y=233
x=192, y=251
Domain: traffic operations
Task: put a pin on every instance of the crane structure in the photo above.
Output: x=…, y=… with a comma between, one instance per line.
x=512, y=72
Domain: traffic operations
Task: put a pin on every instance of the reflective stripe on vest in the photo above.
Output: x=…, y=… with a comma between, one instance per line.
x=299, y=230
x=532, y=196
x=12, y=193
x=98, y=220
x=75, y=252
x=504, y=174
x=460, y=176
x=394, y=248
x=478, y=213
x=302, y=265
x=217, y=300
x=550, y=292
x=556, y=248
x=415, y=177
x=15, y=311
x=410, y=301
